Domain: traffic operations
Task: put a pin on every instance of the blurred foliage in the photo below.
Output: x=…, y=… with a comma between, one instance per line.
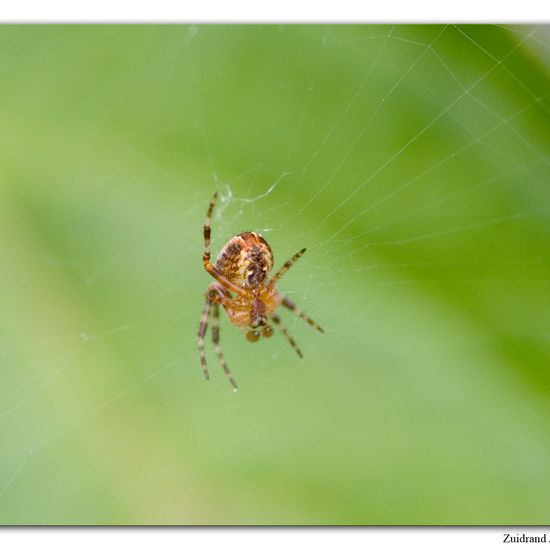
x=412, y=161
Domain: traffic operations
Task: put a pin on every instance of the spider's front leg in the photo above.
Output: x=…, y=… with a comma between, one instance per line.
x=300, y=313
x=217, y=347
x=282, y=328
x=203, y=327
x=215, y=296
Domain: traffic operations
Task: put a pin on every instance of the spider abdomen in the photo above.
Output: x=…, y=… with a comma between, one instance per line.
x=246, y=260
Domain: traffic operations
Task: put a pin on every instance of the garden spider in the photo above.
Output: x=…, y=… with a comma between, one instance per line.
x=242, y=268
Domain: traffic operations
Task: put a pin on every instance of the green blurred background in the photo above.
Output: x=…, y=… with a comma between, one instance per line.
x=412, y=161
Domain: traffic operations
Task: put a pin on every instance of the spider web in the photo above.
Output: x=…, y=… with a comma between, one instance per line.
x=412, y=162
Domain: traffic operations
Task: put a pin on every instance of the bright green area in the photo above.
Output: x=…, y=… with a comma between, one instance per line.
x=413, y=164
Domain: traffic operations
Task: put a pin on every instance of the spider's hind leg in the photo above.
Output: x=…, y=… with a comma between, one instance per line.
x=285, y=267
x=206, y=229
x=211, y=268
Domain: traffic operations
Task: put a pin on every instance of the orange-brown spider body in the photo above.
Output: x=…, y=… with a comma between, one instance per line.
x=246, y=260
x=246, y=291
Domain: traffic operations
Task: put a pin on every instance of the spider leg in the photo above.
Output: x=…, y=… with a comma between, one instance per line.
x=206, y=229
x=300, y=313
x=285, y=267
x=217, y=347
x=281, y=327
x=203, y=326
x=214, y=272
x=217, y=294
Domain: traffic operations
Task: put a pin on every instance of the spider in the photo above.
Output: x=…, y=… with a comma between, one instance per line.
x=242, y=269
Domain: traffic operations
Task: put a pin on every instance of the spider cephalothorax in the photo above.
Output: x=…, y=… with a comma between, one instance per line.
x=242, y=269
